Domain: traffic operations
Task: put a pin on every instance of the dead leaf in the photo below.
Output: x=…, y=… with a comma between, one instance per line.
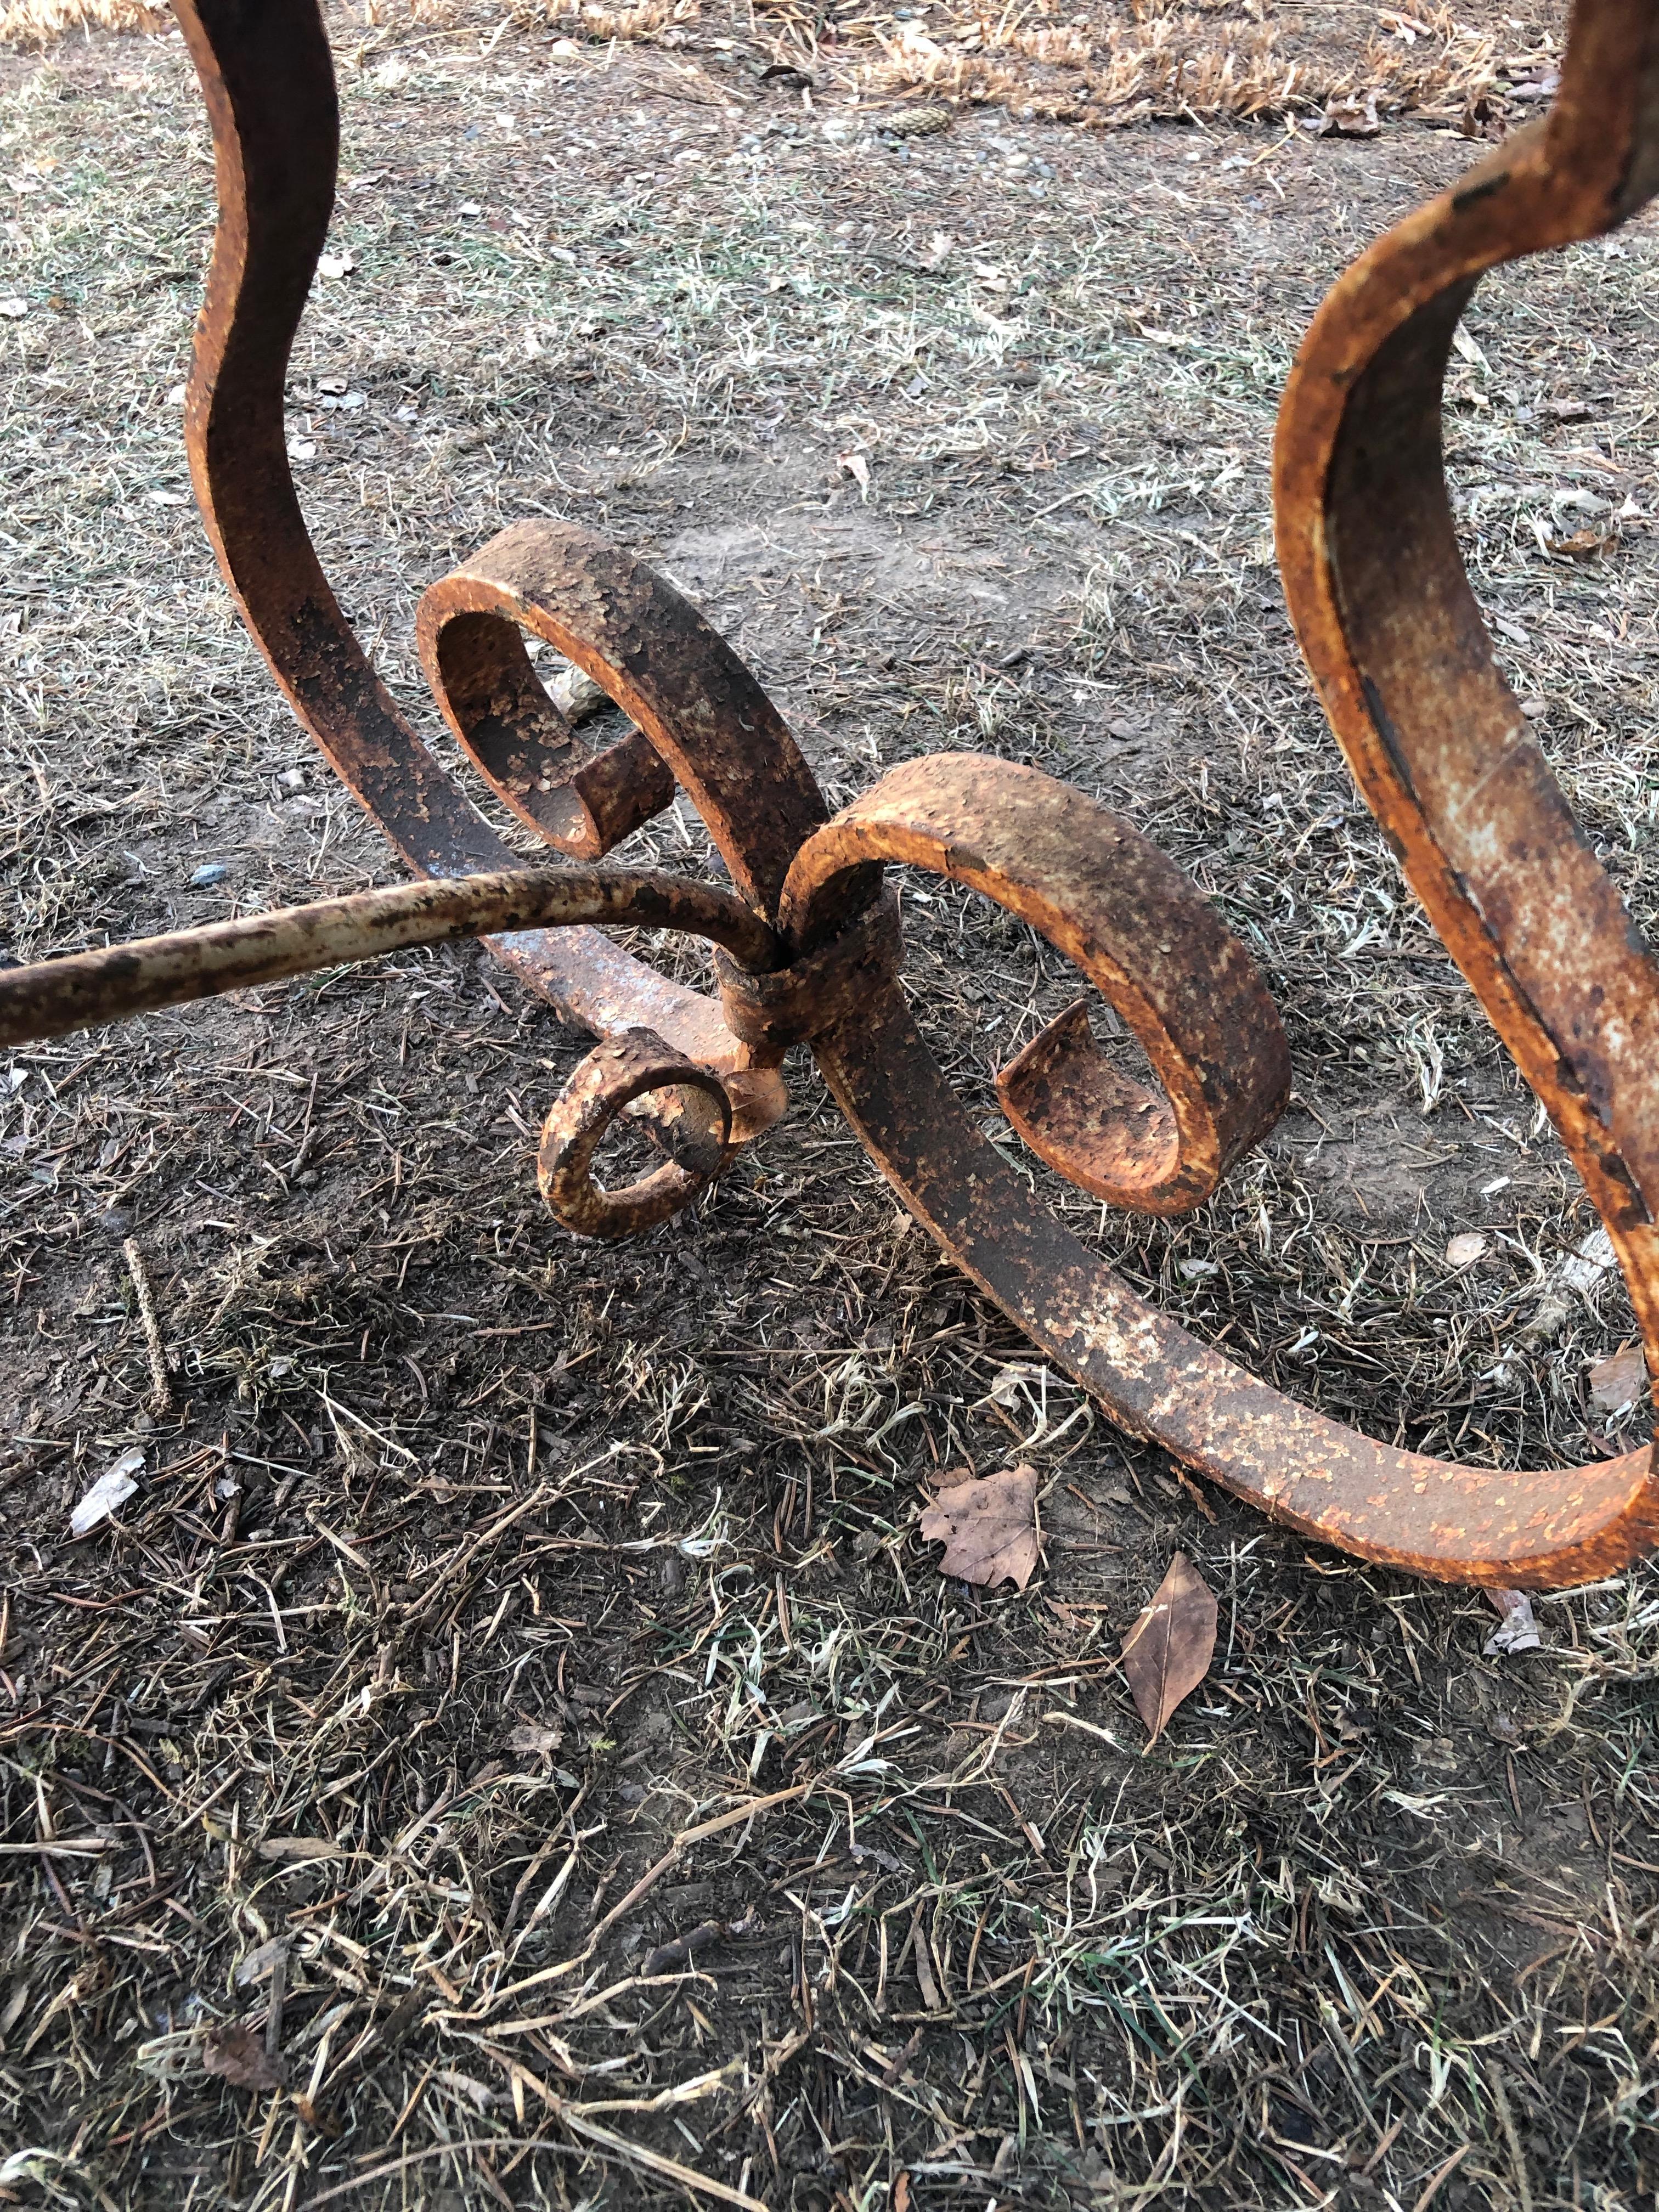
x=858, y=468
x=1583, y=544
x=1166, y=1655
x=534, y=1740
x=1543, y=86
x=238, y=2055
x=108, y=1494
x=1465, y=348
x=1015, y=1376
x=989, y=1527
x=1465, y=1249
x=1353, y=117
x=1518, y=1630
x=925, y=1980
x=259, y=1966
x=288, y=1850
x=1620, y=1382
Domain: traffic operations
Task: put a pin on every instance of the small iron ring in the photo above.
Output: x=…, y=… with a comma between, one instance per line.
x=612, y=1076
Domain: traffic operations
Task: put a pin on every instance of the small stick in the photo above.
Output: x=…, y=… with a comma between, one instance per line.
x=680, y=1844
x=161, y=1400
x=278, y=1992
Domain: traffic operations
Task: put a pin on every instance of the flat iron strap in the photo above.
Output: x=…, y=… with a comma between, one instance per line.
x=668, y=669
x=1434, y=1517
x=267, y=78
x=1124, y=915
x=482, y=678
x=1456, y=1523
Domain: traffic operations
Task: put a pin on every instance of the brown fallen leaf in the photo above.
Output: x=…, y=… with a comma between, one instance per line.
x=238, y=2055
x=1583, y=544
x=989, y=1527
x=295, y=1851
x=1166, y=1655
x=858, y=468
x=1619, y=1381
x=1354, y=116
x=535, y=1740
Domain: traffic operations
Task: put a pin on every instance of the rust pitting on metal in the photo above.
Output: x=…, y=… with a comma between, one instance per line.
x=532, y=759
x=1404, y=663
x=1125, y=915
x=808, y=944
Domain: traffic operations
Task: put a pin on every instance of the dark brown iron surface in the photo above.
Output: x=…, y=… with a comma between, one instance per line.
x=809, y=941
x=1131, y=923
x=481, y=675
x=1461, y=1523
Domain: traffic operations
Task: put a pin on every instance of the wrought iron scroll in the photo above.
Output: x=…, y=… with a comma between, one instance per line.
x=809, y=949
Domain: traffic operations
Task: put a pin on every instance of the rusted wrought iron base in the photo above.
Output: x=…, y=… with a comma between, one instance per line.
x=808, y=942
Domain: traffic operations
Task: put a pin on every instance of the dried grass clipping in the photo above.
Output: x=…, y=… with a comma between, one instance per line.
x=1125, y=61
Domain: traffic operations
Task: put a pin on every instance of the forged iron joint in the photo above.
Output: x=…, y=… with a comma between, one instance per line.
x=817, y=991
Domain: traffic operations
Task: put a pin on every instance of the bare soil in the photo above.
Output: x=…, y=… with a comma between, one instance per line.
x=474, y=1566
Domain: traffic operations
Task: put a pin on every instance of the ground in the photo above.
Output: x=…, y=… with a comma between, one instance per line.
x=474, y=1567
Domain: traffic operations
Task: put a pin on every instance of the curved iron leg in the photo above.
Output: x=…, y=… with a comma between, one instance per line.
x=268, y=81
x=1459, y=1523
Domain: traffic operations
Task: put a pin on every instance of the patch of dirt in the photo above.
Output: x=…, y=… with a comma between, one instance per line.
x=517, y=1700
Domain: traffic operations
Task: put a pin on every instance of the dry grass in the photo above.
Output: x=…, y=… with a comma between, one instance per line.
x=477, y=1574
x=1118, y=63
x=33, y=23
x=1121, y=61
